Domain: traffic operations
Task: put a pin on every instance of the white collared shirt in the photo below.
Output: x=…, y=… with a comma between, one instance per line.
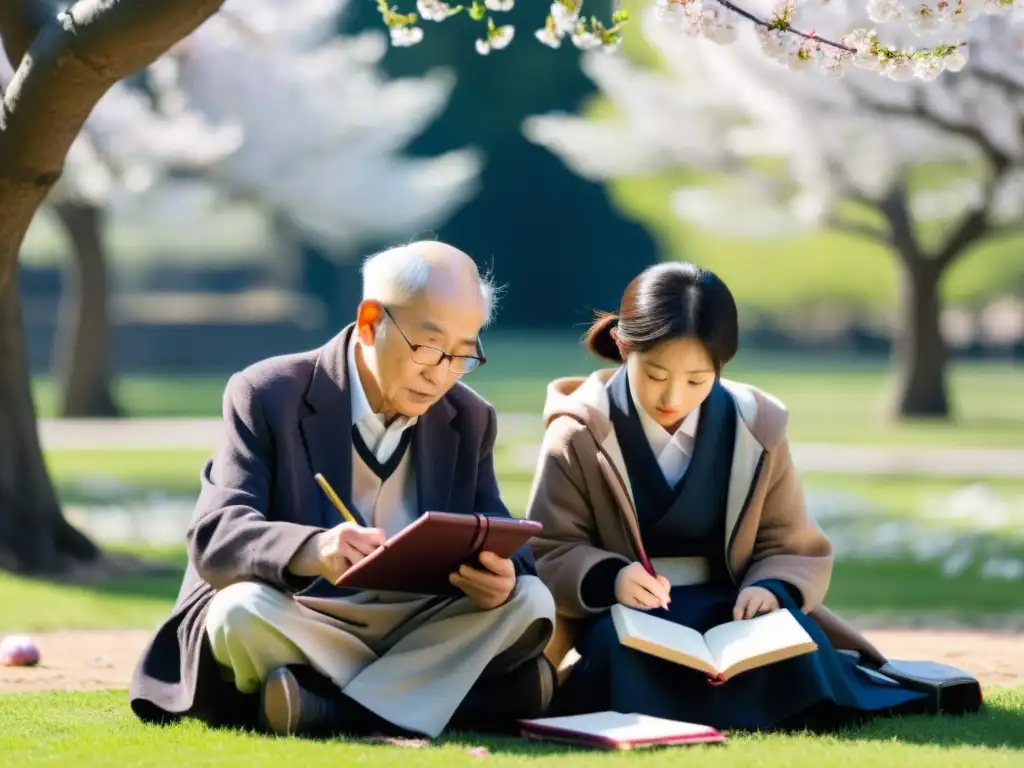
x=380, y=437
x=673, y=451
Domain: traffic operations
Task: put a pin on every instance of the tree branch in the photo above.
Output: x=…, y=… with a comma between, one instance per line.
x=921, y=112
x=974, y=224
x=895, y=206
x=72, y=61
x=998, y=79
x=1016, y=229
x=842, y=224
x=20, y=22
x=971, y=227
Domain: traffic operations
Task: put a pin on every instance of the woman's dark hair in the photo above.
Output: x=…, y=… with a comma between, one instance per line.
x=670, y=301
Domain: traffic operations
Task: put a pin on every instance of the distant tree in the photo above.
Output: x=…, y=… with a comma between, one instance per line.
x=125, y=145
x=323, y=129
x=805, y=151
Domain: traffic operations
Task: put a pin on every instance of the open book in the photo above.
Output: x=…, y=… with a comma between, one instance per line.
x=723, y=651
x=617, y=730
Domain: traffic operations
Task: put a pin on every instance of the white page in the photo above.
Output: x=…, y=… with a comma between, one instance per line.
x=623, y=727
x=739, y=640
x=663, y=632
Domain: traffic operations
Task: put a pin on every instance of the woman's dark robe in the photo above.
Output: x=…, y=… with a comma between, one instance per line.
x=821, y=689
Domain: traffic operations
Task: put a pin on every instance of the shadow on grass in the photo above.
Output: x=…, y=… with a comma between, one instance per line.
x=149, y=573
x=996, y=725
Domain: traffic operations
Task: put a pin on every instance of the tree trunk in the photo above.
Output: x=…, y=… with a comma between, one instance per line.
x=82, y=349
x=34, y=536
x=920, y=351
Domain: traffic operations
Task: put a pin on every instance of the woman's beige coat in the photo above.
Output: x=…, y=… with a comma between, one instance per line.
x=582, y=495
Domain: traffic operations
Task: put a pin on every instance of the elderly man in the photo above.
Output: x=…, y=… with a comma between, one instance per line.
x=381, y=413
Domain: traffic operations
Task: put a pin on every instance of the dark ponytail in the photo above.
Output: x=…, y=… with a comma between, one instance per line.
x=599, y=338
x=669, y=301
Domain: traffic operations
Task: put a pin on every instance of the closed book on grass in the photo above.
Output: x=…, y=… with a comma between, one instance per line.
x=617, y=730
x=723, y=651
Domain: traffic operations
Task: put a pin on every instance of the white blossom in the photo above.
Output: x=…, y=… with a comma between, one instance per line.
x=586, y=41
x=433, y=10
x=670, y=13
x=787, y=34
x=403, y=37
x=323, y=130
x=127, y=145
x=565, y=18
x=882, y=11
x=832, y=139
x=549, y=37
x=501, y=37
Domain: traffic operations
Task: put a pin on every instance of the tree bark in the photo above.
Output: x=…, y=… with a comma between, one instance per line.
x=920, y=352
x=64, y=61
x=82, y=350
x=34, y=536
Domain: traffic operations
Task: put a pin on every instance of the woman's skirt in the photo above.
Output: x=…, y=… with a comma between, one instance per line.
x=821, y=690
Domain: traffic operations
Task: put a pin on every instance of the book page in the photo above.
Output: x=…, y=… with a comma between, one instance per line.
x=662, y=638
x=620, y=727
x=755, y=642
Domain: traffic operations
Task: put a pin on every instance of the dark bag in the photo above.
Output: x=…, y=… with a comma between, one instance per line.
x=951, y=691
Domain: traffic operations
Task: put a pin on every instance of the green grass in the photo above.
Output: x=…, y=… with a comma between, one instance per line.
x=831, y=399
x=94, y=729
x=859, y=585
x=81, y=475
x=32, y=604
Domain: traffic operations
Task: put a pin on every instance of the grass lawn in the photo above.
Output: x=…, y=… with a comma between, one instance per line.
x=831, y=399
x=94, y=729
x=862, y=583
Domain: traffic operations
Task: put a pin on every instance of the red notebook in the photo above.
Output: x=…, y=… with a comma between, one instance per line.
x=420, y=557
x=617, y=730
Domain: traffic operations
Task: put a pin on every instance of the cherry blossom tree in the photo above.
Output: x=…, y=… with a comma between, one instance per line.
x=928, y=169
x=324, y=130
x=939, y=26
x=265, y=104
x=305, y=125
x=125, y=145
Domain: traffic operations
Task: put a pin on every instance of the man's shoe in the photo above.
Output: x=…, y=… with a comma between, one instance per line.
x=292, y=703
x=494, y=704
x=298, y=700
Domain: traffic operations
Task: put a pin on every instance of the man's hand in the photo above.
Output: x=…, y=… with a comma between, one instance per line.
x=488, y=587
x=636, y=588
x=753, y=601
x=331, y=553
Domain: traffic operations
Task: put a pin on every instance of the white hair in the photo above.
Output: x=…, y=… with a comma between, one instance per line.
x=398, y=274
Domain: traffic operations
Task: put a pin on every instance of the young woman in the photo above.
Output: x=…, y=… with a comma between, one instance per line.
x=662, y=458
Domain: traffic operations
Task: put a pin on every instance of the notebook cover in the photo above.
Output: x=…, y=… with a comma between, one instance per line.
x=545, y=729
x=420, y=557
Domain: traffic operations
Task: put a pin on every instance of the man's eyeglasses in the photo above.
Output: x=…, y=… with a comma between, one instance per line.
x=459, y=365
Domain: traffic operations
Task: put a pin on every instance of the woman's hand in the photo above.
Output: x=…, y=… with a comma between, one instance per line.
x=753, y=601
x=636, y=588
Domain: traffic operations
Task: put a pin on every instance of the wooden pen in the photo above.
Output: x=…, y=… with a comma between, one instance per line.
x=335, y=499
